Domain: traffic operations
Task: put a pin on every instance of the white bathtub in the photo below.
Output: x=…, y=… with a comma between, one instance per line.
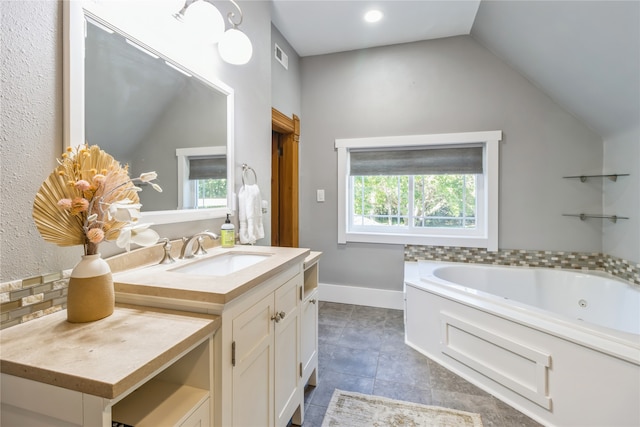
x=561, y=346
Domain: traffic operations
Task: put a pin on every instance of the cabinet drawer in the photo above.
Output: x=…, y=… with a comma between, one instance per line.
x=287, y=296
x=200, y=417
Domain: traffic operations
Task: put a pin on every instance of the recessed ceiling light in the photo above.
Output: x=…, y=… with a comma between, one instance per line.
x=373, y=16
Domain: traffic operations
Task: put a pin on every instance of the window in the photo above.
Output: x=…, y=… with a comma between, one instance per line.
x=202, y=178
x=419, y=189
x=207, y=182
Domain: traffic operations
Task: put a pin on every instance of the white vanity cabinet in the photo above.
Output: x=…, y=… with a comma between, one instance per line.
x=266, y=349
x=55, y=373
x=309, y=338
x=265, y=359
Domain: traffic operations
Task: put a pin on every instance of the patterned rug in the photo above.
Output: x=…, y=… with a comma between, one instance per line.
x=348, y=409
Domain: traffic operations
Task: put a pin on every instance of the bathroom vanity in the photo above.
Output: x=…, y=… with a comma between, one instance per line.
x=139, y=366
x=266, y=348
x=187, y=347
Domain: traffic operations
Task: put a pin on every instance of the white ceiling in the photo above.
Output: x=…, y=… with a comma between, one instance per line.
x=583, y=54
x=315, y=27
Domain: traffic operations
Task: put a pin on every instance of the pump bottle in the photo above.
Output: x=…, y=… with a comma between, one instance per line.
x=227, y=234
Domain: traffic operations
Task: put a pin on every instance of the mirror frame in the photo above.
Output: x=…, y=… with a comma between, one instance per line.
x=74, y=14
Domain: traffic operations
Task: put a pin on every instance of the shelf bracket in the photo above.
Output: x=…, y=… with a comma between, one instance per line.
x=612, y=218
x=612, y=176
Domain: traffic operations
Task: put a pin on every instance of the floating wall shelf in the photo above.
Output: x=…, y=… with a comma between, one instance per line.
x=613, y=177
x=612, y=218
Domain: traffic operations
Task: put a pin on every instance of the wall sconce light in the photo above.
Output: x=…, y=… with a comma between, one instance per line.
x=234, y=46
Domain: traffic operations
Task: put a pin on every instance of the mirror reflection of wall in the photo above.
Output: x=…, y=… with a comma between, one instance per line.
x=140, y=110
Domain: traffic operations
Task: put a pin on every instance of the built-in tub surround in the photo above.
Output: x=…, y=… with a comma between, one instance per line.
x=620, y=268
x=564, y=352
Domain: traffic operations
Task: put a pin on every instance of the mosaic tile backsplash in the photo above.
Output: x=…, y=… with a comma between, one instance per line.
x=26, y=299
x=617, y=267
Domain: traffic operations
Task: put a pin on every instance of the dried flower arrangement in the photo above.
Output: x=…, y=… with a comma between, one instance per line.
x=90, y=198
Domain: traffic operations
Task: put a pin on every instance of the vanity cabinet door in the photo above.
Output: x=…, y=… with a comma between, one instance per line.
x=253, y=373
x=288, y=390
x=309, y=339
x=266, y=359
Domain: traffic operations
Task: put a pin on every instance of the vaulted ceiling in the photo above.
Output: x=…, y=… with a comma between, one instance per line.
x=583, y=54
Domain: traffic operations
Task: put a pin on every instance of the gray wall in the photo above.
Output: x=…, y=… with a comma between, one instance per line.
x=442, y=86
x=32, y=93
x=285, y=83
x=31, y=137
x=622, y=155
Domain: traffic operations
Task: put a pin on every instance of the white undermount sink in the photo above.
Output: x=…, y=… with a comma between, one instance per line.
x=221, y=265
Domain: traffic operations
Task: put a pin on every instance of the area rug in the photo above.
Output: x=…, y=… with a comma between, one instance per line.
x=348, y=409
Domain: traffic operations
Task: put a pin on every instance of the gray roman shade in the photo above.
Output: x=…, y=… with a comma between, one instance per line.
x=423, y=161
x=214, y=167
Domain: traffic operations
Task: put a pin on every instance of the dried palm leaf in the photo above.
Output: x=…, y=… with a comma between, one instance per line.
x=57, y=225
x=61, y=226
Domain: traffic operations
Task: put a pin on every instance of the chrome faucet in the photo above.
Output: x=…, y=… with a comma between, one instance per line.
x=187, y=247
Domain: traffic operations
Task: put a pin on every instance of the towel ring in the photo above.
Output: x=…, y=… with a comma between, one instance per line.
x=245, y=169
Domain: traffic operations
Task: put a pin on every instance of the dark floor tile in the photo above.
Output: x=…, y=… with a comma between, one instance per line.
x=392, y=341
x=444, y=379
x=360, y=311
x=400, y=391
x=332, y=380
x=366, y=322
x=314, y=415
x=361, y=338
x=483, y=405
x=348, y=360
x=395, y=323
x=405, y=367
x=512, y=417
x=334, y=314
x=328, y=333
x=395, y=314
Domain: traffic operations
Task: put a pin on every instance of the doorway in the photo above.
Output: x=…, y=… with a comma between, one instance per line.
x=285, y=138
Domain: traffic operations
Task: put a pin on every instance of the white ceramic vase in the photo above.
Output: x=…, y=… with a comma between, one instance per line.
x=90, y=295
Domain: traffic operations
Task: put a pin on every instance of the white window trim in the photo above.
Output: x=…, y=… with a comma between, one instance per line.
x=488, y=238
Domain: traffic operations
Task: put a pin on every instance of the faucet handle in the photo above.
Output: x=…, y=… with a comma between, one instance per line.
x=200, y=250
x=167, y=258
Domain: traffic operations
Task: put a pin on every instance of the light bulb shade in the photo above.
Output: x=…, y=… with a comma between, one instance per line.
x=205, y=20
x=235, y=47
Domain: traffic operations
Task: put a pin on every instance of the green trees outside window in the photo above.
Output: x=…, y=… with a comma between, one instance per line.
x=211, y=193
x=422, y=201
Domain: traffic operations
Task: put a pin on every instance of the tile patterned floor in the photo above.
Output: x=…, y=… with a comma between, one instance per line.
x=362, y=349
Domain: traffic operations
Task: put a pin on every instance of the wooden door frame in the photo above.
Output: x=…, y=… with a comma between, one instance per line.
x=285, y=178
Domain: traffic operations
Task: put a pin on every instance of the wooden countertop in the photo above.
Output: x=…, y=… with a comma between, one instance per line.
x=104, y=358
x=312, y=258
x=161, y=281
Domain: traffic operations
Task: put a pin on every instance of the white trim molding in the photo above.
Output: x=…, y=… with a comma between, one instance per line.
x=361, y=296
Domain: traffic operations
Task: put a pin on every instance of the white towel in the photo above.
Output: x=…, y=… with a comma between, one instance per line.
x=250, y=214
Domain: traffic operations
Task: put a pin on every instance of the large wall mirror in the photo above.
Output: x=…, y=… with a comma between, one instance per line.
x=151, y=112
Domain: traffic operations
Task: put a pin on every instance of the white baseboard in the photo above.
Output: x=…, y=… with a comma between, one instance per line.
x=361, y=296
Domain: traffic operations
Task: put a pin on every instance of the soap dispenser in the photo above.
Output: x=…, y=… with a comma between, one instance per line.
x=227, y=234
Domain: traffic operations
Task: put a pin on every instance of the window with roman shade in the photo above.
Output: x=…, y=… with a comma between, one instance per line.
x=419, y=189
x=214, y=167
x=424, y=161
